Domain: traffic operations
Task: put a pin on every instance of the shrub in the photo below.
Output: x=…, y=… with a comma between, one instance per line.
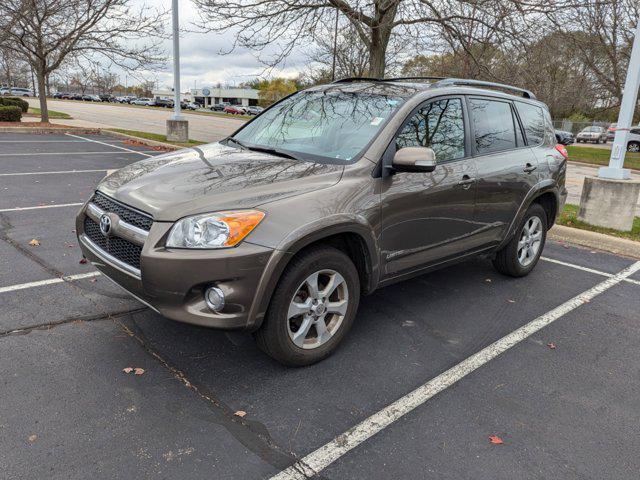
x=10, y=113
x=15, y=102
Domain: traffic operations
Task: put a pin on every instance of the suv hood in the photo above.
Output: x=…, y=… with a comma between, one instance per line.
x=211, y=178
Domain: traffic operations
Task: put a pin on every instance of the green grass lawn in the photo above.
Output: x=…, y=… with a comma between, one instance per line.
x=569, y=218
x=600, y=156
x=52, y=113
x=155, y=136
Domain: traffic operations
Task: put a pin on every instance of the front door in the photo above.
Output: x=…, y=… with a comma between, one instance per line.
x=428, y=217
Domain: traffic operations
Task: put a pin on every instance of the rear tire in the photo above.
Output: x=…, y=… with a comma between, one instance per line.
x=633, y=147
x=304, y=324
x=522, y=253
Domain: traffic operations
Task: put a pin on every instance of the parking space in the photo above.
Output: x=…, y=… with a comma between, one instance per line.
x=431, y=369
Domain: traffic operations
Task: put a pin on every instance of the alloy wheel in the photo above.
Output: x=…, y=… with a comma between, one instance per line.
x=317, y=309
x=530, y=241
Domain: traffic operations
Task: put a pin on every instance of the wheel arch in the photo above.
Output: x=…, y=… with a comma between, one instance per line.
x=354, y=238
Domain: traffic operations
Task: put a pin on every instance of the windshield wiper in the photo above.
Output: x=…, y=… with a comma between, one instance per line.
x=270, y=150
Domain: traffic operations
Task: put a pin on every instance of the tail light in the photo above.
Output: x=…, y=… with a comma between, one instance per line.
x=563, y=150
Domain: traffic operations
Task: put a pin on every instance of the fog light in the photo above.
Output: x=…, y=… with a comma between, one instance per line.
x=214, y=298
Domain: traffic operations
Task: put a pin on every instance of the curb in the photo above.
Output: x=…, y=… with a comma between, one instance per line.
x=145, y=141
x=598, y=241
x=43, y=130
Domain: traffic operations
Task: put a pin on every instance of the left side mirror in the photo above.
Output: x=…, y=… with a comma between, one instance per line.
x=414, y=159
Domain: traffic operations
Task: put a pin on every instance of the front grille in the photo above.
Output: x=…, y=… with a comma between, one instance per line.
x=126, y=214
x=122, y=249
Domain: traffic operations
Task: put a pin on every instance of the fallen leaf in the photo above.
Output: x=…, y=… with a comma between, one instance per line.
x=495, y=440
x=240, y=413
x=93, y=280
x=70, y=245
x=585, y=300
x=83, y=261
x=34, y=242
x=127, y=370
x=488, y=280
x=551, y=345
x=32, y=438
x=138, y=370
x=511, y=301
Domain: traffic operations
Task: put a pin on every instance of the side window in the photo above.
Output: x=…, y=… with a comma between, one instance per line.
x=438, y=125
x=493, y=125
x=533, y=121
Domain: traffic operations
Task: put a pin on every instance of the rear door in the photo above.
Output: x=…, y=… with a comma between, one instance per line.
x=506, y=166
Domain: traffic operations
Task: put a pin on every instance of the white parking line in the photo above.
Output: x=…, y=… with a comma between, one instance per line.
x=17, y=174
x=318, y=460
x=74, y=153
x=50, y=281
x=108, y=144
x=586, y=269
x=38, y=207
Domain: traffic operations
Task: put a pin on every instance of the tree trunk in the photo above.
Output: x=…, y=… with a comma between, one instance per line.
x=44, y=110
x=378, y=50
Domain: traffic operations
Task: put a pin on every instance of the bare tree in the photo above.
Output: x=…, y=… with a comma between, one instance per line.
x=290, y=23
x=47, y=32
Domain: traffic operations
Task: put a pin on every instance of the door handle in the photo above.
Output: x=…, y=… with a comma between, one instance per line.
x=529, y=168
x=466, y=181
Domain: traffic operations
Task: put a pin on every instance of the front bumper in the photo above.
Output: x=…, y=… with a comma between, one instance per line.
x=172, y=281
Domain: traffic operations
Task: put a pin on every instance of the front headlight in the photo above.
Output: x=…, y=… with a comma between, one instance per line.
x=213, y=230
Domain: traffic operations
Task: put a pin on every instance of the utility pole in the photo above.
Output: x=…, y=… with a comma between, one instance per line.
x=335, y=47
x=615, y=169
x=177, y=126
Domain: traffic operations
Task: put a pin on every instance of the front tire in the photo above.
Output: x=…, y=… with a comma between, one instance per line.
x=522, y=253
x=312, y=308
x=633, y=147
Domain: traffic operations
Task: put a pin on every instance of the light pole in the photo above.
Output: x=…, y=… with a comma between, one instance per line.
x=609, y=200
x=615, y=169
x=177, y=126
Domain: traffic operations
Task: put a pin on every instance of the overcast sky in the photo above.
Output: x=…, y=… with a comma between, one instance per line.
x=201, y=60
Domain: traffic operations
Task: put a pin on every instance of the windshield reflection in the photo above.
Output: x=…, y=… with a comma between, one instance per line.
x=311, y=125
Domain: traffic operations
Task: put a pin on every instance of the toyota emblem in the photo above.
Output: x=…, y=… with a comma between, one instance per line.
x=105, y=224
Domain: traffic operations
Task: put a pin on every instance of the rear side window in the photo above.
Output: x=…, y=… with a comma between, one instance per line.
x=533, y=122
x=493, y=125
x=438, y=125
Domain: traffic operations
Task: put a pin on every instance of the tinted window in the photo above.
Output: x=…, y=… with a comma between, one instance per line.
x=493, y=125
x=533, y=122
x=438, y=125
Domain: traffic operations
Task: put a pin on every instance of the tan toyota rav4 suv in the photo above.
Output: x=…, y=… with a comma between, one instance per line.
x=329, y=194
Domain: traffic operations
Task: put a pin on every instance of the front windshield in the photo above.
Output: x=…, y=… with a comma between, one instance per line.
x=334, y=125
x=592, y=129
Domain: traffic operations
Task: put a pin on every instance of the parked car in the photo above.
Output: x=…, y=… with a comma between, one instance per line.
x=633, y=142
x=192, y=106
x=91, y=98
x=592, y=134
x=106, y=97
x=148, y=102
x=164, y=102
x=234, y=110
x=611, y=132
x=59, y=95
x=564, y=138
x=254, y=110
x=219, y=107
x=17, y=92
x=307, y=213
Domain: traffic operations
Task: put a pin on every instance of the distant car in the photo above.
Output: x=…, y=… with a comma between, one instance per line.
x=105, y=97
x=254, y=110
x=147, y=102
x=59, y=95
x=592, y=134
x=611, y=131
x=219, y=107
x=15, y=91
x=234, y=110
x=633, y=142
x=192, y=106
x=91, y=98
x=564, y=138
x=164, y=102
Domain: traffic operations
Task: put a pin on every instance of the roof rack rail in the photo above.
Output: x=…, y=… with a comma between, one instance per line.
x=357, y=79
x=481, y=83
x=399, y=79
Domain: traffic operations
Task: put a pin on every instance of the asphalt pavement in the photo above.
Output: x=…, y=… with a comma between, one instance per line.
x=434, y=367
